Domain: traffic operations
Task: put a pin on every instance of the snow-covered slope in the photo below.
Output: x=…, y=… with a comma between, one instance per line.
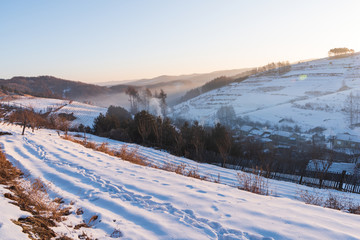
x=84, y=113
x=311, y=94
x=148, y=203
x=8, y=230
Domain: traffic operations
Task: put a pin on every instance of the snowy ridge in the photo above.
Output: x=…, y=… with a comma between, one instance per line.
x=148, y=203
x=84, y=113
x=311, y=94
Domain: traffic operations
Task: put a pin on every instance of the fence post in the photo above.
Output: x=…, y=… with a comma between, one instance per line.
x=301, y=177
x=342, y=179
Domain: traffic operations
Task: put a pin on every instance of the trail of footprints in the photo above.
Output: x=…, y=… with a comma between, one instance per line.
x=188, y=217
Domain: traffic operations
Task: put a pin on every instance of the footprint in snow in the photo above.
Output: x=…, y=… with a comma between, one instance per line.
x=215, y=208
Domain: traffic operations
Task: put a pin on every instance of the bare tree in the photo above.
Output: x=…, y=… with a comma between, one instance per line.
x=133, y=99
x=223, y=142
x=63, y=124
x=162, y=96
x=352, y=108
x=146, y=95
x=144, y=122
x=27, y=117
x=197, y=139
x=340, y=51
x=226, y=115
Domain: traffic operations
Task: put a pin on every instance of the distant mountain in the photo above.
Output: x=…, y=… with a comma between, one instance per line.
x=200, y=78
x=48, y=86
x=175, y=86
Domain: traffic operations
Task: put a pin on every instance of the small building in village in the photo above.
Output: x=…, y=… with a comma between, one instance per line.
x=345, y=140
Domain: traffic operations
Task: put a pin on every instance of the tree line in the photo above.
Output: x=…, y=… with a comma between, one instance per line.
x=211, y=144
x=144, y=99
x=280, y=67
x=340, y=51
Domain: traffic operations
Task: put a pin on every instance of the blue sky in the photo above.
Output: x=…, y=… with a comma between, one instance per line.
x=95, y=41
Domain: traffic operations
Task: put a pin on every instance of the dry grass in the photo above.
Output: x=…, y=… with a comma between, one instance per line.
x=31, y=196
x=312, y=198
x=124, y=153
x=254, y=182
x=131, y=156
x=104, y=148
x=171, y=167
x=116, y=233
x=332, y=200
x=8, y=172
x=194, y=173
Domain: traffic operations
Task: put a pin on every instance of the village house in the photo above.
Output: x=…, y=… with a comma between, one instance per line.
x=285, y=137
x=345, y=140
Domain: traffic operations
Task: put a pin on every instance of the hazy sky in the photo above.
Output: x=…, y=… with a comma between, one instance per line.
x=95, y=41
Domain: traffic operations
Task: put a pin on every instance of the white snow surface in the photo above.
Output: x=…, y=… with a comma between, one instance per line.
x=8, y=230
x=309, y=95
x=149, y=203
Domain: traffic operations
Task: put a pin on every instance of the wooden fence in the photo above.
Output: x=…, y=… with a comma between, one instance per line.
x=342, y=181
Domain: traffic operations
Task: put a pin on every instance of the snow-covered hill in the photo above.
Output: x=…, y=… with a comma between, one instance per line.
x=149, y=203
x=84, y=113
x=311, y=94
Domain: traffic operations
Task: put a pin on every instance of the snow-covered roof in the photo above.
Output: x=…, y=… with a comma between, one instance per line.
x=266, y=135
x=246, y=128
x=265, y=140
x=284, y=134
x=256, y=132
x=336, y=167
x=347, y=137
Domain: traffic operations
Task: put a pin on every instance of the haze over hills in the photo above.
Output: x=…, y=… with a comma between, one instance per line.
x=174, y=86
x=199, y=78
x=111, y=94
x=311, y=94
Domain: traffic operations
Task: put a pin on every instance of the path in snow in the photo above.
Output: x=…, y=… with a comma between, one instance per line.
x=147, y=203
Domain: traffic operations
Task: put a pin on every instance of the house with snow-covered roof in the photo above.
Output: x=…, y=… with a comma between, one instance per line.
x=246, y=129
x=345, y=140
x=335, y=167
x=284, y=137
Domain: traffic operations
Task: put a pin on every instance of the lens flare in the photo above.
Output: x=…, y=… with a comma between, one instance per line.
x=302, y=77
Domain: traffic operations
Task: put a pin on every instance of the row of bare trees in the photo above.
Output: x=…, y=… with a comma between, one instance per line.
x=142, y=99
x=340, y=51
x=27, y=117
x=203, y=143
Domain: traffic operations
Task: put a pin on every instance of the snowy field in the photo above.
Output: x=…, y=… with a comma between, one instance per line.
x=84, y=113
x=148, y=203
x=311, y=94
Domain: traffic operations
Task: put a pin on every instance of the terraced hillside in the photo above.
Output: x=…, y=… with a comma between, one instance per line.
x=310, y=94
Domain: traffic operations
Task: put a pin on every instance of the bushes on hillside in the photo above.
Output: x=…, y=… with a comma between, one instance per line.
x=194, y=141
